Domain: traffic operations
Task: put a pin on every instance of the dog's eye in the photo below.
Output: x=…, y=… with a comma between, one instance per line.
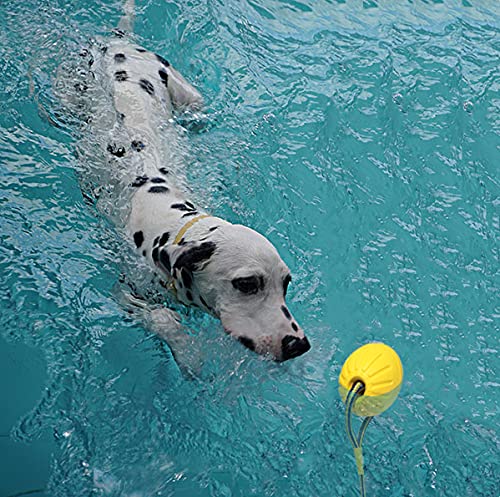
x=286, y=282
x=248, y=285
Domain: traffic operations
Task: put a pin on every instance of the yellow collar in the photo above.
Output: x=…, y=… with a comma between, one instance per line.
x=188, y=225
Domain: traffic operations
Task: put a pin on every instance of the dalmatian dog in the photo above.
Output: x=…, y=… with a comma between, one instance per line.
x=227, y=270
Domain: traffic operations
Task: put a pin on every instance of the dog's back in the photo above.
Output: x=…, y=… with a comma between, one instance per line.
x=145, y=90
x=131, y=96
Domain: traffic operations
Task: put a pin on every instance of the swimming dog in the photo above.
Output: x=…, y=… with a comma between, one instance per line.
x=225, y=269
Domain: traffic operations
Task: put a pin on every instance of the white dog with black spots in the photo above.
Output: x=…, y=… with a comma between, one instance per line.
x=227, y=270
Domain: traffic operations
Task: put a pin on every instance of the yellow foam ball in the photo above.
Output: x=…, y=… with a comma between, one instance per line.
x=379, y=368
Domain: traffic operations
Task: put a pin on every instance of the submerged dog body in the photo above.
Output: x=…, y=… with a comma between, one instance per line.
x=229, y=271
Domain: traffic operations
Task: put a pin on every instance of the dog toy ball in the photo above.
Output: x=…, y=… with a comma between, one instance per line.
x=379, y=369
x=369, y=382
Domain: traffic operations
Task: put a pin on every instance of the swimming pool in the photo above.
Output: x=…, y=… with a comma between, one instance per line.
x=362, y=139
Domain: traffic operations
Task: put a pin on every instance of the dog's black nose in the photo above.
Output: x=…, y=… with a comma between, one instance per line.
x=293, y=347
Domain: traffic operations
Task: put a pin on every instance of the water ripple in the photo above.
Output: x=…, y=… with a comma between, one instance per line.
x=362, y=139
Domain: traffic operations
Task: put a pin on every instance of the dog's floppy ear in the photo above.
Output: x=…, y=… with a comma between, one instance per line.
x=182, y=261
x=193, y=256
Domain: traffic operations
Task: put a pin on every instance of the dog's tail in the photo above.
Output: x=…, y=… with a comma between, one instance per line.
x=126, y=23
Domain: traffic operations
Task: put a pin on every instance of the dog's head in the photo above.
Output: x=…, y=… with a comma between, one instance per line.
x=237, y=275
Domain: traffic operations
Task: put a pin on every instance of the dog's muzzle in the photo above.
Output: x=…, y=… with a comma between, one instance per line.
x=293, y=347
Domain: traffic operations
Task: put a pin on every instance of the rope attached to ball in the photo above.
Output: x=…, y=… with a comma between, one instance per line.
x=369, y=383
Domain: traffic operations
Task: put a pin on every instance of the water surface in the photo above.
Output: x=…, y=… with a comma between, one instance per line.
x=362, y=139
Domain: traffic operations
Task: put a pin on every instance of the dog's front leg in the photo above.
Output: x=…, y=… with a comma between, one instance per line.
x=185, y=348
x=166, y=323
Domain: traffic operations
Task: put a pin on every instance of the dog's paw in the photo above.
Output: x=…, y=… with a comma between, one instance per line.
x=185, y=348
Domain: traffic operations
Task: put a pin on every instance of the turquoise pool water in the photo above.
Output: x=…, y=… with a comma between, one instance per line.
x=363, y=139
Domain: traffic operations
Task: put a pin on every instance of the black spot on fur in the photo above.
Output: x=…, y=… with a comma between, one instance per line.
x=189, y=204
x=186, y=278
x=158, y=180
x=165, y=260
x=144, y=253
x=137, y=145
x=165, y=62
x=121, y=75
x=81, y=87
x=286, y=312
x=213, y=228
x=139, y=181
x=286, y=282
x=116, y=151
x=202, y=300
x=147, y=86
x=138, y=238
x=141, y=50
x=118, y=33
x=154, y=254
x=120, y=57
x=164, y=77
x=158, y=189
x=193, y=213
x=247, y=342
x=163, y=170
x=104, y=49
x=181, y=207
x=120, y=116
x=156, y=240
x=189, y=295
x=193, y=257
x=164, y=239
x=295, y=327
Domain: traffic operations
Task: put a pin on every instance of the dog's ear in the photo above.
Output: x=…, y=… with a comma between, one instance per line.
x=193, y=256
x=183, y=260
